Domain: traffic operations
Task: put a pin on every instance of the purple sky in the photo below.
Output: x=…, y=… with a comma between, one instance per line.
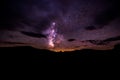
x=79, y=24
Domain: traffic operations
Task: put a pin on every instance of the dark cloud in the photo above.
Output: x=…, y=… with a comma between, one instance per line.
x=90, y=28
x=98, y=42
x=104, y=42
x=12, y=43
x=70, y=40
x=112, y=39
x=36, y=35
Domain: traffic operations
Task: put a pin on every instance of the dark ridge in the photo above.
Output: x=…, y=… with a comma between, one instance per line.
x=26, y=48
x=117, y=47
x=36, y=35
x=70, y=40
x=11, y=43
x=34, y=50
x=28, y=54
x=90, y=28
x=108, y=15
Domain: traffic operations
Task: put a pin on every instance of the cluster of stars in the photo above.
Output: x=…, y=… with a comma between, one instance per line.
x=52, y=35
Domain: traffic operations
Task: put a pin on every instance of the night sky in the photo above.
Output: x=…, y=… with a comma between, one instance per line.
x=60, y=25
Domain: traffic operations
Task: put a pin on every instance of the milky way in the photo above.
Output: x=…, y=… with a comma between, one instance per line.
x=60, y=25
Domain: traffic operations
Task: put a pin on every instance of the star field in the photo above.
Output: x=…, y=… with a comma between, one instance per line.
x=60, y=25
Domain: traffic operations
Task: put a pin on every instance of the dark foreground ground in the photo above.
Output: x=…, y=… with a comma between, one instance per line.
x=26, y=55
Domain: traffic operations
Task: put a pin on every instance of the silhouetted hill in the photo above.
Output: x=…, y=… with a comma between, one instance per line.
x=28, y=54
